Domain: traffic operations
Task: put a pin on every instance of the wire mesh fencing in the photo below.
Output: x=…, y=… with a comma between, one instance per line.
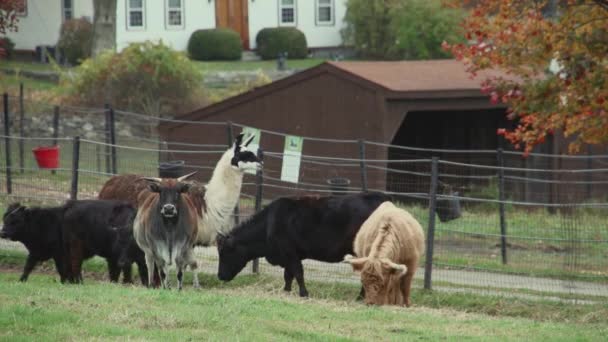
x=495, y=222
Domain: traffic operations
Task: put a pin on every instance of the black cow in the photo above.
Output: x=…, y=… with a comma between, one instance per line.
x=289, y=230
x=103, y=228
x=39, y=229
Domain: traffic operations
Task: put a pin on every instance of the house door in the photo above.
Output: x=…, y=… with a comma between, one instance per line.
x=233, y=14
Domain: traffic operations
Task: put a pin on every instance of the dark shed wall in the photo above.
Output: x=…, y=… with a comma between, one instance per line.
x=323, y=106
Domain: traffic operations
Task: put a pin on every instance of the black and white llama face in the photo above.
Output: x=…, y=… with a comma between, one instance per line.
x=244, y=159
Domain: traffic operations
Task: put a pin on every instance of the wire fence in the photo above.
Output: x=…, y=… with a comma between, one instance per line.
x=499, y=225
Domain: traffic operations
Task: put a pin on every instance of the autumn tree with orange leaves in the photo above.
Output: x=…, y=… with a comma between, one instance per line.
x=555, y=55
x=8, y=18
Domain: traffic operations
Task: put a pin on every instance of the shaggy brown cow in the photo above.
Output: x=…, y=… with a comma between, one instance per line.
x=388, y=245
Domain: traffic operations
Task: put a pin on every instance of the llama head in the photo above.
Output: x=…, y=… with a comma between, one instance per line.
x=244, y=159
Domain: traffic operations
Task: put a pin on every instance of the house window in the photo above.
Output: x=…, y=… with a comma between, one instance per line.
x=287, y=12
x=325, y=12
x=174, y=16
x=21, y=8
x=136, y=14
x=68, y=10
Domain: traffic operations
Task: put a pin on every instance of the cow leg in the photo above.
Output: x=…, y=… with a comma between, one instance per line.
x=298, y=272
x=361, y=295
x=143, y=273
x=30, y=263
x=164, y=272
x=114, y=270
x=127, y=278
x=180, y=277
x=60, y=267
x=152, y=267
x=76, y=257
x=406, y=285
x=195, y=281
x=288, y=276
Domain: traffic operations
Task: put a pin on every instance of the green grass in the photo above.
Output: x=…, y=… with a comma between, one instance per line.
x=26, y=66
x=254, y=308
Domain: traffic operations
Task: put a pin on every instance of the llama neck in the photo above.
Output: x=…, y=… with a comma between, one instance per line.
x=223, y=192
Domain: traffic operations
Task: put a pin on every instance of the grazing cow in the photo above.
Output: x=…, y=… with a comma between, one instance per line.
x=103, y=228
x=39, y=229
x=166, y=227
x=290, y=230
x=388, y=247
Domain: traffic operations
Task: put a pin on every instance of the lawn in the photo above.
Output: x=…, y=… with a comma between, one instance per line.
x=255, y=308
x=257, y=65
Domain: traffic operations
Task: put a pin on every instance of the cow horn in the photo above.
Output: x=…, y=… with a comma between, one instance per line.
x=184, y=177
x=152, y=179
x=396, y=267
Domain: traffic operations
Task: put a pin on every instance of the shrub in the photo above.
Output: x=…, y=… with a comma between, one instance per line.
x=272, y=41
x=215, y=44
x=144, y=77
x=6, y=47
x=75, y=40
x=401, y=29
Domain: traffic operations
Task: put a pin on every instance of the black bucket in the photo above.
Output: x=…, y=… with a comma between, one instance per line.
x=338, y=185
x=171, y=169
x=448, y=209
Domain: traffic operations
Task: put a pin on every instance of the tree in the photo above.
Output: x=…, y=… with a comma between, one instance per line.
x=104, y=26
x=400, y=29
x=8, y=18
x=555, y=56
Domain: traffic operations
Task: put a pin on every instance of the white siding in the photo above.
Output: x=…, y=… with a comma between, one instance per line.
x=265, y=13
x=198, y=14
x=40, y=26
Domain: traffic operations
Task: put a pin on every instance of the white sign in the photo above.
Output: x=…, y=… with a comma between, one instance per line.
x=292, y=154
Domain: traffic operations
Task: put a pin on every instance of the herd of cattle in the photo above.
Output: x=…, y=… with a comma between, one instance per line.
x=156, y=223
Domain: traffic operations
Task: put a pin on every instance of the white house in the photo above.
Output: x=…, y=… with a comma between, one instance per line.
x=173, y=21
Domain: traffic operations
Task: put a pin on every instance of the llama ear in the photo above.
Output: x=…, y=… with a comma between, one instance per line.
x=239, y=139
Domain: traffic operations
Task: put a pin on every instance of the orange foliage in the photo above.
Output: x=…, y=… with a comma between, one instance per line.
x=523, y=38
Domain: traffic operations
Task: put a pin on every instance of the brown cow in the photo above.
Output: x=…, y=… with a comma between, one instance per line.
x=165, y=227
x=388, y=245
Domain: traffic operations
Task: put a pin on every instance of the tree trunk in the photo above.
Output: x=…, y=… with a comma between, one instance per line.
x=104, y=26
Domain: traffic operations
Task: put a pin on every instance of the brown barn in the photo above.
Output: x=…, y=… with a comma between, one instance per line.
x=425, y=104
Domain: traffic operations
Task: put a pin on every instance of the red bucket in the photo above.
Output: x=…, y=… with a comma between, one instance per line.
x=47, y=157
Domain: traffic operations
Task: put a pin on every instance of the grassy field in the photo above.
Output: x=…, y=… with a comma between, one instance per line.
x=255, y=308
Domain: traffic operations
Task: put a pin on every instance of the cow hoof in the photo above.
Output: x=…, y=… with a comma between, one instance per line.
x=287, y=289
x=304, y=295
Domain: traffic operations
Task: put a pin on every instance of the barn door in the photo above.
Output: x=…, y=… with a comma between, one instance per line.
x=233, y=14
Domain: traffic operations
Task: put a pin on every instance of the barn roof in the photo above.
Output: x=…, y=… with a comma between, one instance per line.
x=415, y=76
x=436, y=79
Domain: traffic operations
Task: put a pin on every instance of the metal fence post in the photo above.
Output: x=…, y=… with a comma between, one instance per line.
x=113, y=141
x=21, y=130
x=230, y=134
x=259, y=192
x=107, y=138
x=362, y=164
x=430, y=238
x=501, y=204
x=55, y=128
x=75, y=163
x=7, y=145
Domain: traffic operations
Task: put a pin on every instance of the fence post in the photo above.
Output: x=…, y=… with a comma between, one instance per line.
x=430, y=238
x=230, y=134
x=107, y=137
x=7, y=145
x=75, y=162
x=259, y=191
x=21, y=130
x=113, y=141
x=55, y=128
x=362, y=164
x=501, y=204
